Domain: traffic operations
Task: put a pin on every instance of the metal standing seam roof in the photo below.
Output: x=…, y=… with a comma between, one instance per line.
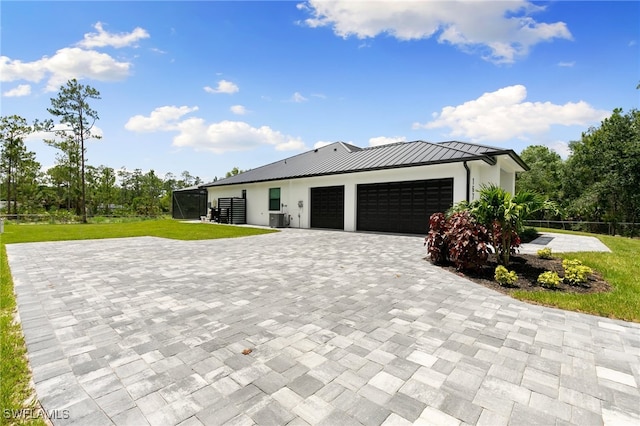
x=340, y=157
x=189, y=188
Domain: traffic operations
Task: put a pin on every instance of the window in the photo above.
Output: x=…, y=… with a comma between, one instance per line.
x=274, y=198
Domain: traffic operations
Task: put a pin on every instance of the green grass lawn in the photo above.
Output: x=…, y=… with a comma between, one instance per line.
x=165, y=228
x=621, y=268
x=15, y=392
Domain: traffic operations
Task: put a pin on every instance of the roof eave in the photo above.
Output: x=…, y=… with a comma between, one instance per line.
x=515, y=157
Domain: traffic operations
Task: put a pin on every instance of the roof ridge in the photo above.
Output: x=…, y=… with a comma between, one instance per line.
x=348, y=146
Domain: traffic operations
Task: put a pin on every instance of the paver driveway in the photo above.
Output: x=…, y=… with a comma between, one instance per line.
x=344, y=328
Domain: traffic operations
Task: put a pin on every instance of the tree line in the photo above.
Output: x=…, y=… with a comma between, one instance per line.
x=71, y=185
x=600, y=179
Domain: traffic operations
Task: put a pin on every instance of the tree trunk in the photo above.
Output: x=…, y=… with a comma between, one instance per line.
x=9, y=187
x=83, y=203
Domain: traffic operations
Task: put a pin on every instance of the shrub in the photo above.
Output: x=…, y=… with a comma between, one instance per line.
x=544, y=253
x=528, y=234
x=549, y=279
x=575, y=272
x=458, y=239
x=436, y=240
x=504, y=277
x=505, y=214
x=467, y=241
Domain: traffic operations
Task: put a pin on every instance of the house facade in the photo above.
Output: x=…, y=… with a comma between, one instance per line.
x=390, y=188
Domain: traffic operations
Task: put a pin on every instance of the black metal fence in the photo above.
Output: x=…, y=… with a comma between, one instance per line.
x=627, y=229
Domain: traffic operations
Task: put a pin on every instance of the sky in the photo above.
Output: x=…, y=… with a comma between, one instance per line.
x=206, y=86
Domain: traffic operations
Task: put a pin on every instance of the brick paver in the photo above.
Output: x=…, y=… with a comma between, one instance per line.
x=344, y=328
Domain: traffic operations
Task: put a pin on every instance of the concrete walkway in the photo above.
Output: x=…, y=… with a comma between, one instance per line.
x=343, y=328
x=563, y=243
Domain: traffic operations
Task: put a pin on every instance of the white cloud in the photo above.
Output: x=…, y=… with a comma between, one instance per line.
x=75, y=62
x=103, y=38
x=67, y=63
x=224, y=86
x=20, y=90
x=298, y=98
x=161, y=119
x=231, y=136
x=72, y=62
x=501, y=31
x=238, y=109
x=566, y=64
x=293, y=144
x=97, y=131
x=219, y=137
x=14, y=69
x=40, y=136
x=503, y=115
x=384, y=140
x=560, y=147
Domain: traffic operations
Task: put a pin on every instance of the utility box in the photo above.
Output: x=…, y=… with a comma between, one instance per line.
x=276, y=220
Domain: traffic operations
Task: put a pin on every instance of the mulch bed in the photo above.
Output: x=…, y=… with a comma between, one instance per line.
x=529, y=267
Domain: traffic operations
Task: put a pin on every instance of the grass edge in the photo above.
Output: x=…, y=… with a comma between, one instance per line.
x=18, y=398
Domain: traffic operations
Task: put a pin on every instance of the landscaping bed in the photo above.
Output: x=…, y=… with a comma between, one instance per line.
x=529, y=267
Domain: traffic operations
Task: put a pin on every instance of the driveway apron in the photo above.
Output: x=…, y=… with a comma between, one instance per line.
x=305, y=327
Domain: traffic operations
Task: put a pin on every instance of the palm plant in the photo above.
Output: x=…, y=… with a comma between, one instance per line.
x=504, y=214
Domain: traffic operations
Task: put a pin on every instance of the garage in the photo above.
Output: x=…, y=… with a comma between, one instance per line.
x=327, y=207
x=402, y=207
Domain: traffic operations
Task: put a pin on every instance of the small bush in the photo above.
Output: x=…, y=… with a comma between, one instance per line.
x=549, y=279
x=436, y=239
x=544, y=253
x=504, y=277
x=467, y=241
x=528, y=234
x=460, y=239
x=575, y=272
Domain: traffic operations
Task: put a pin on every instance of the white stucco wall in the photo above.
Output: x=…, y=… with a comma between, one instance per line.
x=294, y=190
x=507, y=175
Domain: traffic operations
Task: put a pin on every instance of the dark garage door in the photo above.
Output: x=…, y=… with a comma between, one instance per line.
x=402, y=207
x=327, y=207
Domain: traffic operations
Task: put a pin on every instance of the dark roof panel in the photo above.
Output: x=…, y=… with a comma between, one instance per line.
x=340, y=157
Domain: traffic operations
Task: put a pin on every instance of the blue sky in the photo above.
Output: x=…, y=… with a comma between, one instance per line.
x=205, y=86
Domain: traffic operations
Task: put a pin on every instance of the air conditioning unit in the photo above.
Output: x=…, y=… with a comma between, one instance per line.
x=276, y=220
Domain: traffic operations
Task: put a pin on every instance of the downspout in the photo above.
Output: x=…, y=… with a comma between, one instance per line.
x=468, y=179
